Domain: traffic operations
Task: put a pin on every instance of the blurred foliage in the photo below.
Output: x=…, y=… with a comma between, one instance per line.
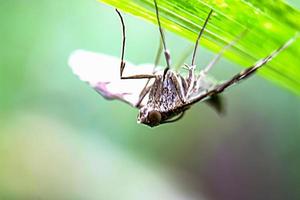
x=269, y=25
x=60, y=140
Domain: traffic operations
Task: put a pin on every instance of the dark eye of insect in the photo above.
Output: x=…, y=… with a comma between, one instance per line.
x=154, y=117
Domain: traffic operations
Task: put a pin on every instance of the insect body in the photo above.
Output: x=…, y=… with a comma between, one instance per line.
x=166, y=100
x=165, y=95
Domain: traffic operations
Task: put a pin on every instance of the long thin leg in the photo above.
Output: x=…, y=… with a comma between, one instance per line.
x=242, y=75
x=190, y=80
x=166, y=52
x=186, y=53
x=143, y=94
x=122, y=65
x=180, y=116
x=158, y=54
x=199, y=36
x=191, y=77
x=204, y=72
x=220, y=54
x=147, y=88
x=179, y=86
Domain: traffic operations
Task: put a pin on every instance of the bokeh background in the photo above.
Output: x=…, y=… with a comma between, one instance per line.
x=60, y=140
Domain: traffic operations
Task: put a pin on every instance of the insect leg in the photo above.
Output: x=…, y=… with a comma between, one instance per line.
x=158, y=54
x=249, y=71
x=242, y=75
x=179, y=86
x=186, y=53
x=220, y=54
x=143, y=94
x=147, y=88
x=191, y=77
x=122, y=65
x=199, y=36
x=190, y=80
x=157, y=59
x=180, y=116
x=166, y=52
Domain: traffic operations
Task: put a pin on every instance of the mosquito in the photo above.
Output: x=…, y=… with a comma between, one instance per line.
x=167, y=95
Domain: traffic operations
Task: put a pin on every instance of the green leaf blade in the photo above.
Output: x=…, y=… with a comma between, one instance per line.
x=269, y=24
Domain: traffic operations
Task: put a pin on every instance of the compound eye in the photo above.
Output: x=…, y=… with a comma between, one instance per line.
x=154, y=117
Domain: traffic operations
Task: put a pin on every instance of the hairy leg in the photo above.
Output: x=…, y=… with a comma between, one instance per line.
x=122, y=65
x=220, y=54
x=219, y=88
x=199, y=36
x=166, y=52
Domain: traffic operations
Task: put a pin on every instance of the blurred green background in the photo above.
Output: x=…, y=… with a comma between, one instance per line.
x=60, y=140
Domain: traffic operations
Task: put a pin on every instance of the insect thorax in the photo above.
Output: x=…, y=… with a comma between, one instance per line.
x=163, y=97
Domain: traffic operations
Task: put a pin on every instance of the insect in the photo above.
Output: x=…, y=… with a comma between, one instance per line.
x=162, y=96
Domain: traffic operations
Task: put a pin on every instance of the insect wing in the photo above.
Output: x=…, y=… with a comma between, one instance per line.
x=102, y=72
